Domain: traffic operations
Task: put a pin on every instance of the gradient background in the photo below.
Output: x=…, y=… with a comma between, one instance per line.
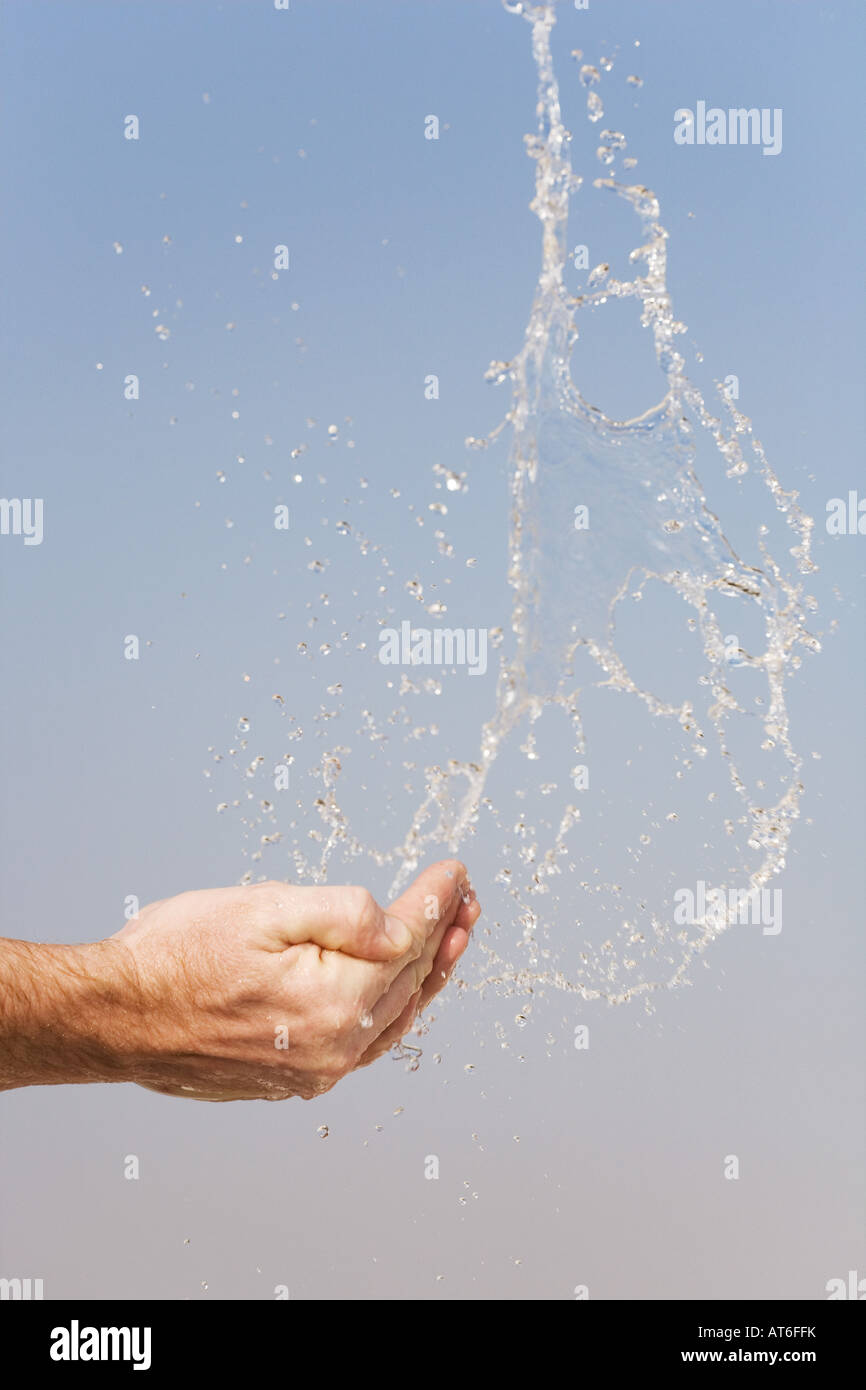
x=408, y=257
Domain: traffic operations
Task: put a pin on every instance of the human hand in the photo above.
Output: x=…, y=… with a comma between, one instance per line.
x=274, y=990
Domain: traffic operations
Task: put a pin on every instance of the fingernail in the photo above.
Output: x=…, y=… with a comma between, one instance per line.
x=466, y=891
x=397, y=933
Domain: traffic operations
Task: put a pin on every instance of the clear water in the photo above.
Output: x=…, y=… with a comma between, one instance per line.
x=638, y=741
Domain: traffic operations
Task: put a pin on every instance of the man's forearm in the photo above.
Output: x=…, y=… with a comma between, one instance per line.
x=259, y=992
x=58, y=1007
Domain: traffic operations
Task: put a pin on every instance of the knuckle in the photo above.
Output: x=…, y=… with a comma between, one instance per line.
x=362, y=909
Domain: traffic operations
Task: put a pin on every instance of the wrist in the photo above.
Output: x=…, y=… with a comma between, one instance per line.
x=65, y=1013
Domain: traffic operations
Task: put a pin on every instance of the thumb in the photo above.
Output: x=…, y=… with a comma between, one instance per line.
x=342, y=919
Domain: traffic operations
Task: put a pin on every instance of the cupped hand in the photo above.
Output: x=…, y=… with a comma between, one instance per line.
x=273, y=990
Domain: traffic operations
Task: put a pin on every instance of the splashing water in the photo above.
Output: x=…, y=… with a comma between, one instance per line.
x=637, y=746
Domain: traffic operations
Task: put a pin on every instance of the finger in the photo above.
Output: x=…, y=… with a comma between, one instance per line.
x=372, y=997
x=199, y=1092
x=453, y=945
x=338, y=919
x=429, y=904
x=394, y=997
x=454, y=942
x=392, y=1034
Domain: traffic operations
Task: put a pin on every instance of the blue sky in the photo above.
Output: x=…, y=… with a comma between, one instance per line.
x=408, y=257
